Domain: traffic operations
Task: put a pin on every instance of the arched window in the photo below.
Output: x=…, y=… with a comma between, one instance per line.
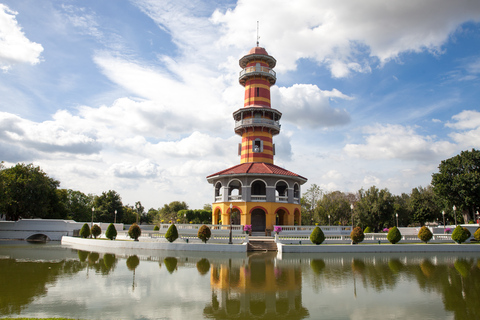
x=234, y=190
x=281, y=191
x=257, y=145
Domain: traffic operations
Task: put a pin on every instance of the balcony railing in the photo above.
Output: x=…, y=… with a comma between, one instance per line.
x=259, y=198
x=259, y=69
x=218, y=199
x=235, y=198
x=258, y=122
x=282, y=198
x=296, y=200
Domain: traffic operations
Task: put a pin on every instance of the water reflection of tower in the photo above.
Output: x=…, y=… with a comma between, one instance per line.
x=260, y=287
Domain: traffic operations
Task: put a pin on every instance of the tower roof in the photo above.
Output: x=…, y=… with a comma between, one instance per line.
x=258, y=50
x=260, y=168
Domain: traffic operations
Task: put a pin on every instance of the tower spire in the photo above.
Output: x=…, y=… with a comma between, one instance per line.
x=258, y=36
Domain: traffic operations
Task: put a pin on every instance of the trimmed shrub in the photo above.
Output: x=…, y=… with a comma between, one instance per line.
x=134, y=232
x=317, y=236
x=459, y=235
x=357, y=235
x=156, y=228
x=96, y=231
x=172, y=233
x=394, y=235
x=85, y=231
x=425, y=234
x=469, y=234
x=368, y=230
x=204, y=233
x=476, y=235
x=111, y=232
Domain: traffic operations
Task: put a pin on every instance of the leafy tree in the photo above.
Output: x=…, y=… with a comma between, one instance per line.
x=111, y=232
x=402, y=208
x=134, y=231
x=195, y=216
x=96, y=230
x=204, y=233
x=375, y=208
x=424, y=205
x=207, y=206
x=357, y=235
x=317, y=236
x=105, y=206
x=150, y=216
x=139, y=211
x=172, y=233
x=458, y=182
x=77, y=204
x=337, y=205
x=425, y=234
x=85, y=231
x=27, y=192
x=169, y=211
x=368, y=230
x=309, y=202
x=129, y=215
x=394, y=235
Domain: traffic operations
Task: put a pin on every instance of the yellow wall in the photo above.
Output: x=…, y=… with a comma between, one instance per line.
x=246, y=207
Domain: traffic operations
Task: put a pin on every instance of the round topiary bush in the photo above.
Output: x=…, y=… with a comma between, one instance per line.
x=96, y=231
x=317, y=236
x=172, y=233
x=459, y=235
x=156, y=228
x=469, y=234
x=134, y=232
x=204, y=233
x=357, y=235
x=111, y=232
x=394, y=235
x=368, y=230
x=476, y=235
x=425, y=234
x=85, y=231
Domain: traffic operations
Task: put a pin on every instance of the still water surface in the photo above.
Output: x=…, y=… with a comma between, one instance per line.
x=58, y=281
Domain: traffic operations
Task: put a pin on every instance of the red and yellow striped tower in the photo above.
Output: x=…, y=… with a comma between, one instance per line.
x=257, y=122
x=256, y=191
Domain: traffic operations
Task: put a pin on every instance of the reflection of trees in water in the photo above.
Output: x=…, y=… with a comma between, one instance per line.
x=203, y=266
x=170, y=264
x=23, y=281
x=458, y=281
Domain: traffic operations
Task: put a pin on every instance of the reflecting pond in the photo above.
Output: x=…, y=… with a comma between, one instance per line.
x=40, y=280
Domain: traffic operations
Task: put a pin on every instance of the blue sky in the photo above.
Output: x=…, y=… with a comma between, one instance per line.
x=138, y=96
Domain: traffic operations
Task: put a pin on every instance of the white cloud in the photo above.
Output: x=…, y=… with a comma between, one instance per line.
x=468, y=123
x=305, y=105
x=144, y=169
x=344, y=35
x=398, y=142
x=15, y=47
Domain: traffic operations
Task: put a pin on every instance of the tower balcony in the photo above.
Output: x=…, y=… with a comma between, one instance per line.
x=257, y=122
x=257, y=71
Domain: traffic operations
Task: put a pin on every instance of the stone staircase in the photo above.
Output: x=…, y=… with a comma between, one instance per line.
x=258, y=243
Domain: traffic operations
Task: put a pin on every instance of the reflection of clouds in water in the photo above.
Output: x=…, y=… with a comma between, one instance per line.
x=403, y=286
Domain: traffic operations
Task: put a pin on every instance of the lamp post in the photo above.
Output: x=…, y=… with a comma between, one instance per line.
x=443, y=214
x=396, y=216
x=115, y=216
x=138, y=208
x=351, y=207
x=329, y=220
x=91, y=225
x=455, y=213
x=184, y=218
x=230, y=218
x=478, y=216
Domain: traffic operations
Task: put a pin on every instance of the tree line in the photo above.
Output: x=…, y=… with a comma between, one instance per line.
x=457, y=184
x=27, y=192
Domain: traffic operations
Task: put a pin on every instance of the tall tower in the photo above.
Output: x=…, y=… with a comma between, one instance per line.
x=256, y=191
